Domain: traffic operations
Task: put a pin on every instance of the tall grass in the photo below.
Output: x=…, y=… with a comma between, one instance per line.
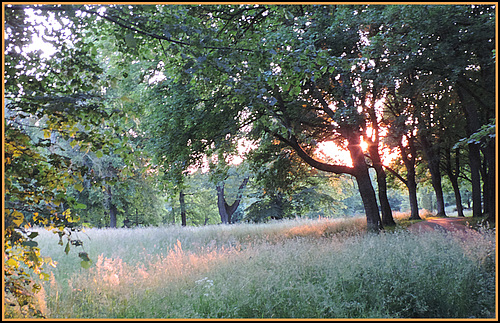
x=288, y=269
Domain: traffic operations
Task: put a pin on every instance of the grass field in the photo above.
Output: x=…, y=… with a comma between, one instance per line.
x=327, y=268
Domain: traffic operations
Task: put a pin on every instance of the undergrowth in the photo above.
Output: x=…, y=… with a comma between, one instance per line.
x=329, y=268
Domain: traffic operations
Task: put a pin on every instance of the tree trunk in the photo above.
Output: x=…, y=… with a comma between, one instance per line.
x=473, y=124
x=475, y=173
x=387, y=218
x=182, y=203
x=373, y=220
x=374, y=223
x=490, y=198
x=385, y=207
x=453, y=177
x=438, y=188
x=409, y=161
x=458, y=198
x=226, y=211
x=373, y=145
x=412, y=195
x=112, y=208
x=411, y=180
x=432, y=155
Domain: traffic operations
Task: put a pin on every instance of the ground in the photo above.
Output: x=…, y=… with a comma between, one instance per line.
x=436, y=223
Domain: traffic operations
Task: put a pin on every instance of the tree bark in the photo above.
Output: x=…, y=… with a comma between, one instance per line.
x=112, y=208
x=373, y=220
x=182, y=203
x=433, y=158
x=385, y=207
x=475, y=173
x=411, y=177
x=490, y=198
x=473, y=124
x=374, y=223
x=453, y=177
x=226, y=211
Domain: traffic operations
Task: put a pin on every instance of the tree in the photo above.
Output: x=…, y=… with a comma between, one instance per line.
x=59, y=94
x=216, y=67
x=226, y=211
x=416, y=54
x=54, y=103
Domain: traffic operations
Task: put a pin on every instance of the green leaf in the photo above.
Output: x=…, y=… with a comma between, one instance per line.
x=130, y=40
x=99, y=154
x=30, y=243
x=80, y=206
x=85, y=264
x=84, y=256
x=18, y=218
x=66, y=249
x=79, y=187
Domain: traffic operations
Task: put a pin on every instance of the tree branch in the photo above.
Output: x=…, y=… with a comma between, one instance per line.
x=129, y=26
x=337, y=169
x=401, y=178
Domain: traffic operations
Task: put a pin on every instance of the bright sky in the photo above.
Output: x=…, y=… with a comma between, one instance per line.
x=332, y=152
x=38, y=43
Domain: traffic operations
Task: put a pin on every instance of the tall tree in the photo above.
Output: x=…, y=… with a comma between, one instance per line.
x=401, y=125
x=416, y=54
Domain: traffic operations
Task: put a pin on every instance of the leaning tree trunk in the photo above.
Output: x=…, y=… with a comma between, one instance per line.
x=373, y=220
x=226, y=211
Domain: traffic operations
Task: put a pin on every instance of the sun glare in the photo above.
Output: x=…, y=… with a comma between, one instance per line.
x=331, y=152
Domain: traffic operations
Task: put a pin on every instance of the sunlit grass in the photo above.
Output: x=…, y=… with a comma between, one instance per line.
x=328, y=268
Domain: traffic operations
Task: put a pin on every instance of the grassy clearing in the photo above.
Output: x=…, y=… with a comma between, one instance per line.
x=289, y=269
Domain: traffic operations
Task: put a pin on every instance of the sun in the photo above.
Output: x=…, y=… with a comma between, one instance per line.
x=330, y=152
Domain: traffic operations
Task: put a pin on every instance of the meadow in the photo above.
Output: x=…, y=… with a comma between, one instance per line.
x=323, y=268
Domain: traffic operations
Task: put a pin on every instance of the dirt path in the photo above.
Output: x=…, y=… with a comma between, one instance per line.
x=434, y=223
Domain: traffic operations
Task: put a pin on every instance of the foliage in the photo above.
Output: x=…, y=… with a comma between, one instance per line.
x=54, y=107
x=35, y=188
x=482, y=137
